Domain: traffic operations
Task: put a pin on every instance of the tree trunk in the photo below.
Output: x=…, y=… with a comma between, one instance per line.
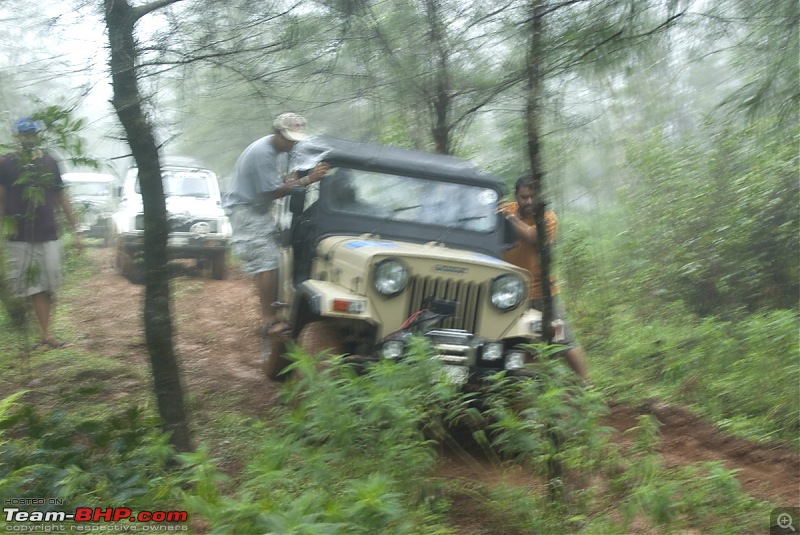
x=555, y=470
x=533, y=112
x=441, y=100
x=120, y=19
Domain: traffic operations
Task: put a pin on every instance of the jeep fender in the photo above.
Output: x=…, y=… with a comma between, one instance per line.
x=325, y=299
x=529, y=325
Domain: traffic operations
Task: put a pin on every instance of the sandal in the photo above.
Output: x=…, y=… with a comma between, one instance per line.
x=275, y=328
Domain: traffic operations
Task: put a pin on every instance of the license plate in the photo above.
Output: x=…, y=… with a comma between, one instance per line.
x=177, y=241
x=456, y=375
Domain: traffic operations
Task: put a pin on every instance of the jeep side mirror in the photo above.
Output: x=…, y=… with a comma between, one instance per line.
x=297, y=200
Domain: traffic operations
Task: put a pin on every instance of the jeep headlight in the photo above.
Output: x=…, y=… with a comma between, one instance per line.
x=201, y=228
x=492, y=351
x=390, y=278
x=508, y=291
x=225, y=227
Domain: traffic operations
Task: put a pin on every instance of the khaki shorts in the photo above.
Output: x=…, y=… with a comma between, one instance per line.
x=255, y=239
x=35, y=267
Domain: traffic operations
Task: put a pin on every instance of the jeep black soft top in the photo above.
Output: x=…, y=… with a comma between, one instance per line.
x=382, y=158
x=342, y=154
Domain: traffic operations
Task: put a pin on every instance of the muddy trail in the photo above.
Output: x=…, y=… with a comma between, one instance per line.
x=217, y=344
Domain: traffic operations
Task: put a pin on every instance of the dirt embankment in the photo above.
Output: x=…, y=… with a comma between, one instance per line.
x=770, y=473
x=217, y=344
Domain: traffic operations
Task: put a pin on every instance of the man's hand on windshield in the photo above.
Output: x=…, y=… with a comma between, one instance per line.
x=318, y=173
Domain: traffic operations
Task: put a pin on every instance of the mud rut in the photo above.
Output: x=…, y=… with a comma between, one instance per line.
x=217, y=344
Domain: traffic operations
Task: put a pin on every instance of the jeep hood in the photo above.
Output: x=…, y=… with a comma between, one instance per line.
x=351, y=253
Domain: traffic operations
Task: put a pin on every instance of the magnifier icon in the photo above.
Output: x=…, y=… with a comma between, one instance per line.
x=785, y=522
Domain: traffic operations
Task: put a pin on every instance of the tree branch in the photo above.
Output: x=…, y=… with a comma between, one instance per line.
x=141, y=11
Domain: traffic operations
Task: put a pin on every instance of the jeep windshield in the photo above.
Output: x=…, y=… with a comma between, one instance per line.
x=183, y=184
x=390, y=197
x=398, y=194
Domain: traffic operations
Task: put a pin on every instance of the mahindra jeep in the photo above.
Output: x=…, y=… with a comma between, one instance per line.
x=198, y=226
x=394, y=243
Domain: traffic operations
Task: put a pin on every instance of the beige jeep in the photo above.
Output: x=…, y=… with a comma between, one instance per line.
x=395, y=243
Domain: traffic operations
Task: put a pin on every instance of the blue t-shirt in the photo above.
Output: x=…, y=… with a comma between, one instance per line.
x=259, y=170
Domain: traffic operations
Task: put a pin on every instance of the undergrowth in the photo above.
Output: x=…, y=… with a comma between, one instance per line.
x=120, y=458
x=736, y=366
x=743, y=374
x=358, y=453
x=351, y=453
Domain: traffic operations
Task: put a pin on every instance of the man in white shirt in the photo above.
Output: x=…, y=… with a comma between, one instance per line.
x=260, y=177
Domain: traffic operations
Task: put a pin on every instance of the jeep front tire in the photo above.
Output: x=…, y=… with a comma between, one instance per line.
x=273, y=360
x=218, y=266
x=319, y=336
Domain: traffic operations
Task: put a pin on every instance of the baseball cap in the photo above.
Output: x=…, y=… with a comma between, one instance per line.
x=26, y=125
x=291, y=126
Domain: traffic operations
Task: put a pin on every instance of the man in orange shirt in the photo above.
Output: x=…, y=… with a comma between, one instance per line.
x=525, y=254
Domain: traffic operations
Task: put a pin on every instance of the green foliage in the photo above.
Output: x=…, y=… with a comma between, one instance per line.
x=357, y=454
x=766, y=35
x=548, y=417
x=62, y=132
x=120, y=458
x=742, y=374
x=349, y=455
x=689, y=291
x=704, y=496
x=712, y=220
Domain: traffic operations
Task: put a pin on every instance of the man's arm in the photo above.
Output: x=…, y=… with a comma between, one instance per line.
x=525, y=232
x=528, y=233
x=316, y=174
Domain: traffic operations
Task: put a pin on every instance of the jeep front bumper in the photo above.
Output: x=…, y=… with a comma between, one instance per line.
x=466, y=359
x=178, y=246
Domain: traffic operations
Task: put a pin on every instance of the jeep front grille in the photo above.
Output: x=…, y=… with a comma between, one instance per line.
x=467, y=296
x=185, y=225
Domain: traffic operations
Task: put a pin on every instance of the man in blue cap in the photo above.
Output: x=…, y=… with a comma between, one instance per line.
x=31, y=192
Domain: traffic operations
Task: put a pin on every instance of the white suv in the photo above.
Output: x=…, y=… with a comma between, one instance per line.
x=199, y=228
x=94, y=201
